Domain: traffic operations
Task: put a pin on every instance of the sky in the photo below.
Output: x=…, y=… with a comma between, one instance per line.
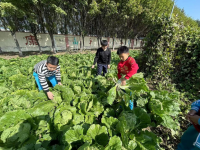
x=191, y=7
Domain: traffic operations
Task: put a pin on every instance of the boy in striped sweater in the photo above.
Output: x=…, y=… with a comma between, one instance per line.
x=47, y=69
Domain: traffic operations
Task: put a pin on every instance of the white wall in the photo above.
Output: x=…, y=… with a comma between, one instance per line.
x=128, y=42
x=110, y=42
x=117, y=42
x=90, y=42
x=27, y=42
x=72, y=41
x=7, y=43
x=60, y=43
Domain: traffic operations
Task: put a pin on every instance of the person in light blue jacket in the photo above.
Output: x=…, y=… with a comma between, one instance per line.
x=191, y=137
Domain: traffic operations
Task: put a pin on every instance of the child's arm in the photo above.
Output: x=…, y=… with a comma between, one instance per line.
x=58, y=75
x=122, y=80
x=43, y=82
x=191, y=116
x=194, y=119
x=109, y=58
x=119, y=72
x=133, y=70
x=119, y=75
x=96, y=57
x=44, y=85
x=195, y=105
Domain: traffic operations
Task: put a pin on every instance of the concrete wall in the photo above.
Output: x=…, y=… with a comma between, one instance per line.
x=27, y=42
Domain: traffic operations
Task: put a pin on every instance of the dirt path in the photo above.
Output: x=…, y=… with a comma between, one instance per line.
x=15, y=55
x=27, y=54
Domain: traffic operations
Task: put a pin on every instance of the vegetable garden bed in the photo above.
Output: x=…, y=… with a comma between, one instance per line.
x=87, y=111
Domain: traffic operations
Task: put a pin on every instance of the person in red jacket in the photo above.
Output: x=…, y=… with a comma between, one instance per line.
x=127, y=66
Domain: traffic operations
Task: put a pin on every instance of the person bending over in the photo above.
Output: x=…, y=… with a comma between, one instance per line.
x=47, y=69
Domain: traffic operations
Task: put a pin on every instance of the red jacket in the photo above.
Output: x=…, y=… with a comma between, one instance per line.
x=128, y=67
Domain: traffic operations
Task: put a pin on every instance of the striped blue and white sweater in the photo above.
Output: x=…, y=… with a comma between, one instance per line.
x=42, y=71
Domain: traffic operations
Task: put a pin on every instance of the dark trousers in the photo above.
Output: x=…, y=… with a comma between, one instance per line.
x=101, y=68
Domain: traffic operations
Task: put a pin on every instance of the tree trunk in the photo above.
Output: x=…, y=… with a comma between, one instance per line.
x=17, y=44
x=98, y=41
x=113, y=43
x=35, y=35
x=134, y=43
x=4, y=25
x=81, y=43
x=53, y=42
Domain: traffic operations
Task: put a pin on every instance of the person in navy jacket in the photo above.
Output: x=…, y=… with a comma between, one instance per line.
x=102, y=58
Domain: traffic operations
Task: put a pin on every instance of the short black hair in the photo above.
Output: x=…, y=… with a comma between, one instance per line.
x=104, y=43
x=122, y=49
x=53, y=60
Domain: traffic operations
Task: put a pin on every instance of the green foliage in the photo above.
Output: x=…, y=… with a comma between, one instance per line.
x=98, y=133
x=171, y=55
x=181, y=17
x=74, y=134
x=111, y=95
x=16, y=135
x=7, y=8
x=110, y=17
x=198, y=21
x=114, y=143
x=85, y=112
x=144, y=140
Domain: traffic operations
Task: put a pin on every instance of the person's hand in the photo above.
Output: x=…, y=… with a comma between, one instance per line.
x=123, y=81
x=119, y=82
x=194, y=119
x=92, y=66
x=108, y=66
x=59, y=83
x=50, y=95
x=190, y=113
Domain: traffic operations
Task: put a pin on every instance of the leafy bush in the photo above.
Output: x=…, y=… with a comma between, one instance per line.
x=171, y=55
